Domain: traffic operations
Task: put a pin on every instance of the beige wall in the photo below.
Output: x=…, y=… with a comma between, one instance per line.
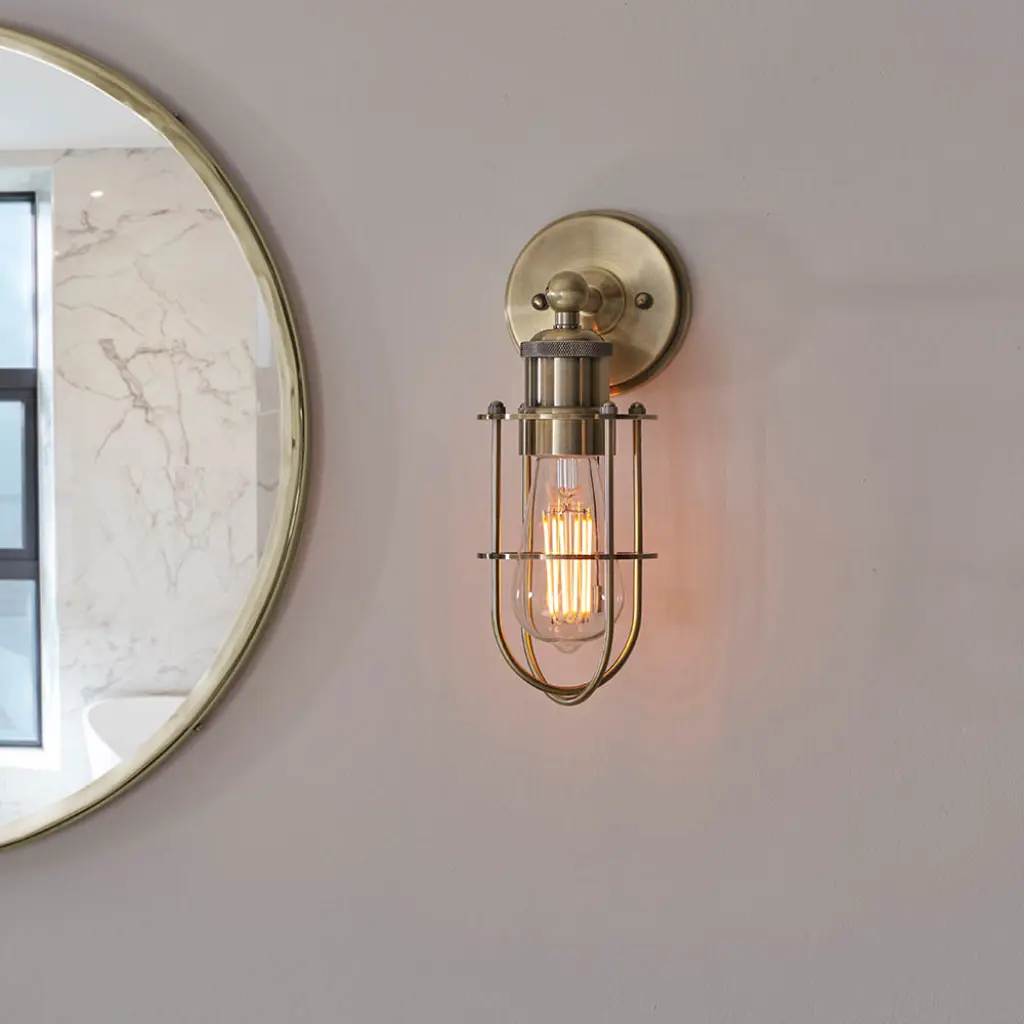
x=802, y=802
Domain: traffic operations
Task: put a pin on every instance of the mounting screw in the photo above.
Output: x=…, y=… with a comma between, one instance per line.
x=496, y=409
x=638, y=409
x=539, y=301
x=644, y=300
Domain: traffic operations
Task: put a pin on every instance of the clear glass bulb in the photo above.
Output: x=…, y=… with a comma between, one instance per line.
x=562, y=601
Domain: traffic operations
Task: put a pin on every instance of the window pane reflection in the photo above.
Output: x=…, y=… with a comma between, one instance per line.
x=12, y=475
x=17, y=283
x=19, y=655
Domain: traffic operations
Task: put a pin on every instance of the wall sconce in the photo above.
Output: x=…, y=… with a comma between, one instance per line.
x=621, y=305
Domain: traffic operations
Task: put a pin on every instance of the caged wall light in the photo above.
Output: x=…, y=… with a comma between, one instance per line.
x=621, y=306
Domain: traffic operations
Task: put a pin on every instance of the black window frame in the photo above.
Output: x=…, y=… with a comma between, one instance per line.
x=21, y=386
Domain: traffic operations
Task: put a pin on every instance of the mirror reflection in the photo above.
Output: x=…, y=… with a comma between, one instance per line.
x=140, y=434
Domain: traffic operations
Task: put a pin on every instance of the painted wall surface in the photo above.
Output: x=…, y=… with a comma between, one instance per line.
x=802, y=801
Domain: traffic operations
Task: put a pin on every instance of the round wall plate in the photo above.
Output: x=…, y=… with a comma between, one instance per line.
x=647, y=302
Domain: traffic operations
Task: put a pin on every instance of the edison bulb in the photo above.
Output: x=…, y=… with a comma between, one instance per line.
x=562, y=600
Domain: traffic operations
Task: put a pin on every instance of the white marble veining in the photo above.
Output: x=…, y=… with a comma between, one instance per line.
x=155, y=410
x=159, y=484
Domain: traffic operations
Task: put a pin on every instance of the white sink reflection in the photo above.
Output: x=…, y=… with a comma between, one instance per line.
x=116, y=728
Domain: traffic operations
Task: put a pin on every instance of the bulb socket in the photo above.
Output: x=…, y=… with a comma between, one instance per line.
x=565, y=376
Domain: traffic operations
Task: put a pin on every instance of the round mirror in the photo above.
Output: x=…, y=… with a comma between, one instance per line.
x=152, y=434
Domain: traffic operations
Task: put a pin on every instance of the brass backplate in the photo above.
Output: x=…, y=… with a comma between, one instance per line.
x=609, y=249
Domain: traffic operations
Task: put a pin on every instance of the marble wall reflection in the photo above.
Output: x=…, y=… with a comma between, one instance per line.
x=268, y=430
x=155, y=412
x=165, y=438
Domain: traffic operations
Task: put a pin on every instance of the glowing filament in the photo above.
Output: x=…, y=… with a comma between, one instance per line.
x=570, y=591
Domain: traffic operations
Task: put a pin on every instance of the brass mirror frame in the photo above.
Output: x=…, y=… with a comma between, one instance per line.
x=281, y=544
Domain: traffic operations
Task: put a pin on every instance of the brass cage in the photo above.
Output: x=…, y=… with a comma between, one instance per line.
x=607, y=416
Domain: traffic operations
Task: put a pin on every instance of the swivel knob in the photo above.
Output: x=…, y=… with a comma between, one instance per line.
x=567, y=292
